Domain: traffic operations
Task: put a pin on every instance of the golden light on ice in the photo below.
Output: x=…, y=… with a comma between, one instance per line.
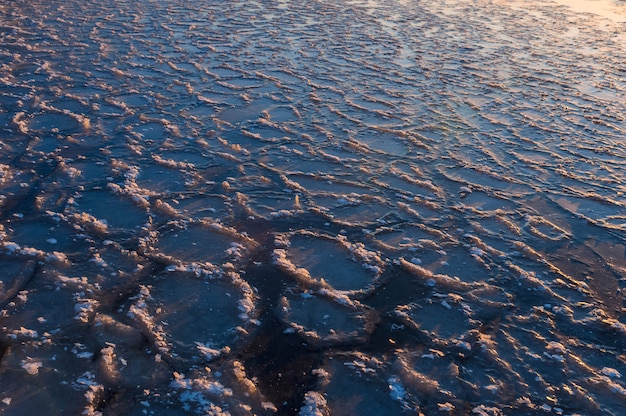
x=305, y=207
x=610, y=9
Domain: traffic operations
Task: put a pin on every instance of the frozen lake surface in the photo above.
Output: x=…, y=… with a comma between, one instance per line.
x=312, y=207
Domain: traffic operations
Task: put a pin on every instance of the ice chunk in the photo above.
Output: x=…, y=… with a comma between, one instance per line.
x=314, y=405
x=396, y=389
x=31, y=367
x=611, y=372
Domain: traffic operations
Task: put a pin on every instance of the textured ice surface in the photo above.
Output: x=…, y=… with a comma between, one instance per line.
x=312, y=207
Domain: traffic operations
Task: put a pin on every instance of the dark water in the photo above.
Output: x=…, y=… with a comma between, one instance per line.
x=311, y=207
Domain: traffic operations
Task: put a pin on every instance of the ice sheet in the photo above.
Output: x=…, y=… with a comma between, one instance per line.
x=312, y=207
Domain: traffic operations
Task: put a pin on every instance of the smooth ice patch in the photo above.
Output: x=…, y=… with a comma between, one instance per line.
x=192, y=318
x=438, y=318
x=201, y=245
x=360, y=384
x=324, y=321
x=332, y=262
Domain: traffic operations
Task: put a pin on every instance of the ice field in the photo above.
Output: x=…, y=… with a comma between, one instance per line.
x=312, y=207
